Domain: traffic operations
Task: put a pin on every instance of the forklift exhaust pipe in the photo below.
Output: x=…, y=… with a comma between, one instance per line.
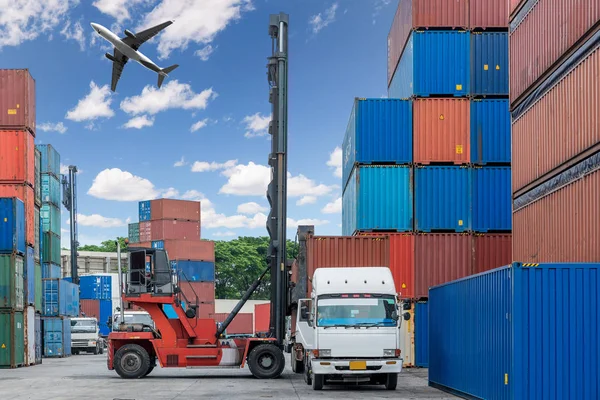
x=241, y=303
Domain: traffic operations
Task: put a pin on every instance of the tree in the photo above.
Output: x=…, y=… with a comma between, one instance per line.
x=108, y=246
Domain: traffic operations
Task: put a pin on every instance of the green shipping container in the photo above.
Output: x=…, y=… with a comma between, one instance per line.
x=11, y=281
x=38, y=287
x=51, y=190
x=51, y=248
x=12, y=340
x=36, y=223
x=50, y=215
x=134, y=232
x=38, y=178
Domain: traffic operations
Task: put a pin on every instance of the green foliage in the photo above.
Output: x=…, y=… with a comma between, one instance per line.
x=108, y=246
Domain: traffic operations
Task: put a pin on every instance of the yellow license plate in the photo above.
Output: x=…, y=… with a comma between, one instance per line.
x=358, y=365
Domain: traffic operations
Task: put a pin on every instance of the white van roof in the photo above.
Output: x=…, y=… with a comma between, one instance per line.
x=353, y=280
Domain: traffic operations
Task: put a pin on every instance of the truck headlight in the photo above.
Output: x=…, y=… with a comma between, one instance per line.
x=391, y=353
x=324, y=352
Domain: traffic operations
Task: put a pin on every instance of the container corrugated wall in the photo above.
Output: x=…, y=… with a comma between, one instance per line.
x=242, y=323
x=57, y=336
x=441, y=131
x=442, y=199
x=489, y=63
x=175, y=209
x=203, y=250
x=490, y=131
x=378, y=198
x=195, y=271
x=37, y=186
x=51, y=190
x=488, y=14
x=379, y=131
x=51, y=248
x=12, y=271
x=17, y=157
x=29, y=276
x=262, y=317
x=165, y=229
x=12, y=336
x=12, y=225
x=17, y=99
x=491, y=201
x=145, y=211
x=492, y=250
x=26, y=194
x=51, y=221
x=204, y=290
x=134, y=232
x=50, y=159
x=421, y=334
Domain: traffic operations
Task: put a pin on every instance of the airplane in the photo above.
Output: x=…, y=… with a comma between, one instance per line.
x=127, y=48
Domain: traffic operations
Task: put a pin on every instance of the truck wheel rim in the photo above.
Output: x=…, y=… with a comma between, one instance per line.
x=131, y=362
x=266, y=361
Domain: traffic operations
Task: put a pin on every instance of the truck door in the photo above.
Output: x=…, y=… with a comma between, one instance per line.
x=304, y=329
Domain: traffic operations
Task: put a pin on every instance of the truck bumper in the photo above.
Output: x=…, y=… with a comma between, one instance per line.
x=342, y=367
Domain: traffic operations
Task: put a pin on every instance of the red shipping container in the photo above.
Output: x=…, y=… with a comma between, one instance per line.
x=90, y=309
x=241, y=324
x=166, y=229
x=543, y=35
x=441, y=130
x=440, y=258
x=412, y=14
x=563, y=226
x=198, y=250
x=17, y=99
x=205, y=291
x=206, y=309
x=175, y=209
x=27, y=195
x=262, y=317
x=488, y=14
x=514, y=5
x=491, y=251
x=145, y=231
x=17, y=157
x=562, y=124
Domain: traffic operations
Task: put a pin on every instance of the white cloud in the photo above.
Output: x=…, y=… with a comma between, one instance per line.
x=225, y=234
x=335, y=162
x=306, y=200
x=335, y=207
x=139, y=122
x=25, y=20
x=170, y=193
x=300, y=185
x=199, y=125
x=180, y=163
x=118, y=9
x=93, y=106
x=321, y=20
x=75, y=33
x=64, y=169
x=173, y=95
x=98, y=221
x=256, y=125
x=293, y=224
x=115, y=184
x=250, y=208
x=51, y=127
x=205, y=52
x=203, y=166
x=196, y=21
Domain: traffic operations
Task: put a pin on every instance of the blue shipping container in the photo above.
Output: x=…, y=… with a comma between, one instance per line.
x=106, y=312
x=442, y=199
x=489, y=68
x=490, y=131
x=60, y=298
x=30, y=277
x=57, y=336
x=50, y=159
x=170, y=311
x=94, y=287
x=145, y=212
x=51, y=271
x=433, y=63
x=194, y=271
x=50, y=216
x=524, y=331
x=51, y=190
x=421, y=334
x=12, y=225
x=158, y=244
x=379, y=131
x=491, y=199
x=378, y=198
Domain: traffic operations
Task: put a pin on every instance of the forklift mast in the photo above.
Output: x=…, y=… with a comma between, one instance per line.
x=69, y=186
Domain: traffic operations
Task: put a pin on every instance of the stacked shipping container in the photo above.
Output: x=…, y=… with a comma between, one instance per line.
x=99, y=297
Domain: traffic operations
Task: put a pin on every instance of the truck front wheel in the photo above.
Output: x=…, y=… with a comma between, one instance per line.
x=132, y=361
x=391, y=381
x=318, y=381
x=266, y=361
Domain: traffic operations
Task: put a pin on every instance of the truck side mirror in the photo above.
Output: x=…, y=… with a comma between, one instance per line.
x=304, y=313
x=406, y=316
x=109, y=322
x=395, y=316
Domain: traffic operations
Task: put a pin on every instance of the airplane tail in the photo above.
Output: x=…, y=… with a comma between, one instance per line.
x=164, y=73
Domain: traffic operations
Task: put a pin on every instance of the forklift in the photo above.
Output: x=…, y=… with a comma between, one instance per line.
x=190, y=341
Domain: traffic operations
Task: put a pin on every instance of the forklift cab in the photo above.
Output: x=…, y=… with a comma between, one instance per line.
x=149, y=272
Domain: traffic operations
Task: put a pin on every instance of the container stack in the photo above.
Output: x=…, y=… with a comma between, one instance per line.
x=174, y=225
x=20, y=279
x=555, y=102
x=99, y=298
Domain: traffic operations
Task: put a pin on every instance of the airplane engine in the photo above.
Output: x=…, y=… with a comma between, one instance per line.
x=111, y=58
x=130, y=34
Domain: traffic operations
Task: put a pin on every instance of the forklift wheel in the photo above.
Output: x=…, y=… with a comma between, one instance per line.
x=266, y=361
x=132, y=361
x=152, y=365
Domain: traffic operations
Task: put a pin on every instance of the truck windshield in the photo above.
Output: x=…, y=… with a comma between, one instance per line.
x=349, y=311
x=83, y=326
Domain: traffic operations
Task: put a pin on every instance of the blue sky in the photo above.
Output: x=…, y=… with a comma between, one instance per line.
x=202, y=135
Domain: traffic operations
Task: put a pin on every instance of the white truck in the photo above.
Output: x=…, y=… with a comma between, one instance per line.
x=85, y=336
x=348, y=331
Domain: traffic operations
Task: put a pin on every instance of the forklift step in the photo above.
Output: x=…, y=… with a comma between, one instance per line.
x=201, y=346
x=201, y=357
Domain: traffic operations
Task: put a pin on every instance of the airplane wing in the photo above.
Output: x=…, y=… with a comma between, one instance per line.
x=117, y=68
x=144, y=36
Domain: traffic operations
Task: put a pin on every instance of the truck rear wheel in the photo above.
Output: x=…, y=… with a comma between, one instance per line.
x=266, y=361
x=132, y=361
x=297, y=366
x=391, y=381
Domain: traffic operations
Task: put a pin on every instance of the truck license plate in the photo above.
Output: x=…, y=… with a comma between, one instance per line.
x=358, y=365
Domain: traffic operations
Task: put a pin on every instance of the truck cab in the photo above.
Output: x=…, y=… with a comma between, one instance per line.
x=85, y=336
x=349, y=328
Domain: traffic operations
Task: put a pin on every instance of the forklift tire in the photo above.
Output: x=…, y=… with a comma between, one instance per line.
x=318, y=381
x=297, y=366
x=266, y=361
x=152, y=365
x=391, y=381
x=132, y=361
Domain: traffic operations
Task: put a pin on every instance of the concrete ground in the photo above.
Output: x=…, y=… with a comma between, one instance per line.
x=86, y=377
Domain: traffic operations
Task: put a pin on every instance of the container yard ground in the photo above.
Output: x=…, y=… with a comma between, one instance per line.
x=86, y=376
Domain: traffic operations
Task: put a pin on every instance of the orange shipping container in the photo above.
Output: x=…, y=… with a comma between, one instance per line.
x=488, y=14
x=165, y=229
x=17, y=157
x=17, y=99
x=204, y=291
x=197, y=250
x=241, y=324
x=262, y=317
x=175, y=209
x=441, y=130
x=491, y=251
x=26, y=194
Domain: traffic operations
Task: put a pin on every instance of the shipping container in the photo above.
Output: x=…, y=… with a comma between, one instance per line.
x=24, y=193
x=12, y=331
x=37, y=225
x=51, y=271
x=17, y=99
x=145, y=211
x=60, y=298
x=96, y=287
x=17, y=157
x=433, y=63
x=194, y=271
x=540, y=36
x=29, y=276
x=488, y=14
x=242, y=324
x=38, y=287
x=134, y=232
x=442, y=199
x=50, y=159
x=166, y=229
x=490, y=131
x=57, y=336
x=51, y=248
x=262, y=317
x=12, y=225
x=37, y=186
x=29, y=336
x=187, y=249
x=440, y=258
x=514, y=5
x=539, y=343
x=145, y=231
x=51, y=190
x=558, y=221
x=421, y=334
x=489, y=63
x=50, y=215
x=560, y=120
x=379, y=132
x=204, y=311
x=203, y=291
x=491, y=201
x=12, y=271
x=378, y=198
x=413, y=14
x=89, y=308
x=492, y=250
x=107, y=310
x=442, y=131
x=38, y=338
x=175, y=209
